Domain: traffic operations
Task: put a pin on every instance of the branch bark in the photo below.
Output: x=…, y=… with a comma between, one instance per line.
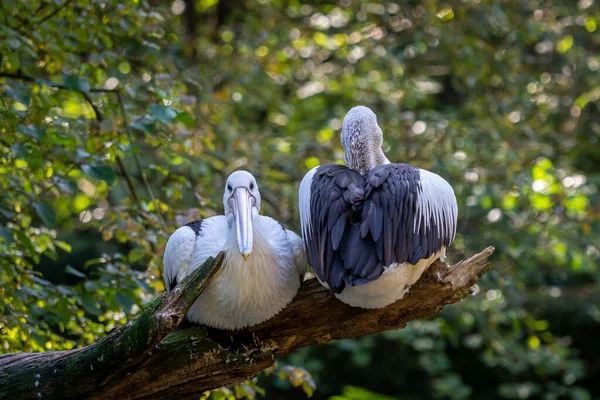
x=192, y=360
x=74, y=373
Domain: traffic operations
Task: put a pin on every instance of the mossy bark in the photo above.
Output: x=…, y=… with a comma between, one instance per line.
x=134, y=363
x=76, y=373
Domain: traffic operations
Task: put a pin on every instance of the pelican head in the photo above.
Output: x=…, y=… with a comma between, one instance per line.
x=362, y=138
x=241, y=200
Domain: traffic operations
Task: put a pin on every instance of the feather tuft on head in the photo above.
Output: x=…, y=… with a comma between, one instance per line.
x=362, y=138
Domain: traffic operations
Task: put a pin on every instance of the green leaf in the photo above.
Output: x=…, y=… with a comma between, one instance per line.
x=67, y=185
x=162, y=113
x=135, y=255
x=7, y=213
x=63, y=245
x=73, y=271
x=25, y=241
x=45, y=212
x=90, y=304
x=541, y=202
x=76, y=83
x=147, y=127
x=94, y=261
x=143, y=284
x=51, y=254
x=186, y=119
x=124, y=300
x=32, y=131
x=19, y=95
x=7, y=235
x=13, y=43
x=218, y=395
x=100, y=172
x=66, y=291
x=151, y=45
x=13, y=60
x=91, y=286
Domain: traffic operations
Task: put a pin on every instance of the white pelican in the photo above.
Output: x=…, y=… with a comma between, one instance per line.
x=263, y=266
x=372, y=228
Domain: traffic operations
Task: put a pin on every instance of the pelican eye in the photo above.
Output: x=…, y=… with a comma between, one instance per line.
x=229, y=188
x=251, y=185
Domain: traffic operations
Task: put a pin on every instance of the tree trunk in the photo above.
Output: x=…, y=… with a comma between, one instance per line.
x=140, y=361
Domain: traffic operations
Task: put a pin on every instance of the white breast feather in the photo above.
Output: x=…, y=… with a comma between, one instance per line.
x=391, y=286
x=245, y=293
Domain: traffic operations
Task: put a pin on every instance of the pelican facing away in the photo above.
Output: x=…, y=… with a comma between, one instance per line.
x=263, y=265
x=372, y=228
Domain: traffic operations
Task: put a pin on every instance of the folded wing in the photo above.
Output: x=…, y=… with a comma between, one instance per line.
x=178, y=253
x=355, y=226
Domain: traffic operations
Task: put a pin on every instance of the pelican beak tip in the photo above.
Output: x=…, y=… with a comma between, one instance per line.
x=246, y=255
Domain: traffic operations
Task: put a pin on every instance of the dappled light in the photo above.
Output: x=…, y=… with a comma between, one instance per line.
x=121, y=120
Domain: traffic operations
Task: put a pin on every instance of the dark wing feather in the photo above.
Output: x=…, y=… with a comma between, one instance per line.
x=422, y=211
x=337, y=233
x=334, y=190
x=360, y=224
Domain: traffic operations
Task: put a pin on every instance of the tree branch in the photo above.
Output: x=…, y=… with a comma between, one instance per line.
x=52, y=14
x=73, y=373
x=139, y=163
x=128, y=181
x=190, y=361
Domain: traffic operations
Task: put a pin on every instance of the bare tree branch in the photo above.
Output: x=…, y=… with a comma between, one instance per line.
x=190, y=361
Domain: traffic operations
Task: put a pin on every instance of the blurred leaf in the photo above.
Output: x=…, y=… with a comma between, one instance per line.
x=124, y=300
x=357, y=393
x=90, y=304
x=21, y=96
x=63, y=245
x=162, y=113
x=7, y=235
x=186, y=119
x=45, y=212
x=35, y=132
x=76, y=83
x=24, y=240
x=136, y=255
x=73, y=271
x=101, y=172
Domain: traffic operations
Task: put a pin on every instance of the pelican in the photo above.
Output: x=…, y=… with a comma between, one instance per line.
x=372, y=228
x=263, y=266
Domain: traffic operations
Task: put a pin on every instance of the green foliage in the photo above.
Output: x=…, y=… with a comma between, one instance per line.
x=356, y=393
x=248, y=390
x=117, y=116
x=288, y=375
